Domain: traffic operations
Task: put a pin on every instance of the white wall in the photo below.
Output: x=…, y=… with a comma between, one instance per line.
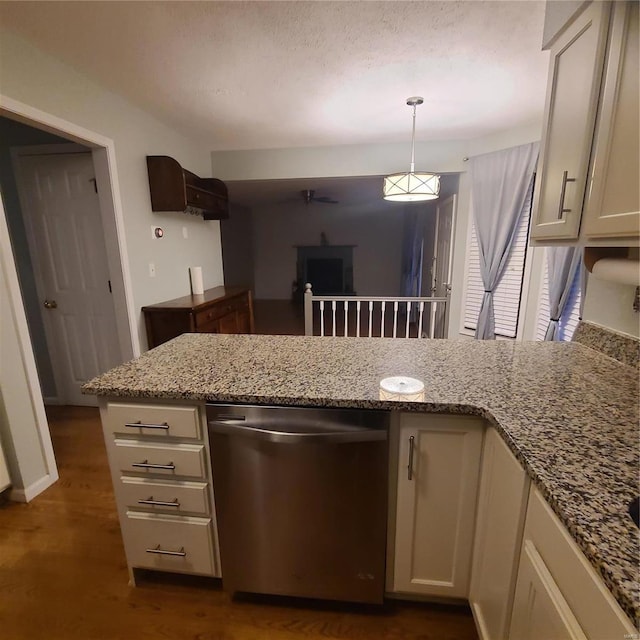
x=376, y=258
x=33, y=78
x=610, y=305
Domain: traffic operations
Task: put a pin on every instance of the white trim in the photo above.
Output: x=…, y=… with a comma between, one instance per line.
x=34, y=489
x=16, y=308
x=103, y=152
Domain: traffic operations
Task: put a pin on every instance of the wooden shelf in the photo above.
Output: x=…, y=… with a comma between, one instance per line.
x=176, y=189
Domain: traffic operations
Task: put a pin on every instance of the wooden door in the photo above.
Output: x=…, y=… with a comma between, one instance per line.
x=443, y=261
x=438, y=465
x=613, y=205
x=575, y=72
x=540, y=611
x=66, y=242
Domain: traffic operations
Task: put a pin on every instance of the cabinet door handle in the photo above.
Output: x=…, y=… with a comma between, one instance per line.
x=160, y=503
x=561, y=209
x=147, y=465
x=410, y=465
x=142, y=425
x=182, y=553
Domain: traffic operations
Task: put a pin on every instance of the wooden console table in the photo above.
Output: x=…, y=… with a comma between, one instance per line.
x=217, y=310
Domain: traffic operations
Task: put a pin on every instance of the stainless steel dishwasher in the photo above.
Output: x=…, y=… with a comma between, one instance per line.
x=301, y=500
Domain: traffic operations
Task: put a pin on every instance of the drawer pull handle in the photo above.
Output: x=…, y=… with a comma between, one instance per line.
x=182, y=553
x=142, y=425
x=148, y=465
x=410, y=465
x=561, y=208
x=160, y=503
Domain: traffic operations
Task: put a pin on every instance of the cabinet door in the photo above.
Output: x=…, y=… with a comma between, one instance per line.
x=502, y=502
x=228, y=323
x=540, y=611
x=439, y=460
x=575, y=72
x=613, y=203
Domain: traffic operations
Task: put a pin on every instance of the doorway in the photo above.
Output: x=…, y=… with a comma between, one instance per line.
x=26, y=426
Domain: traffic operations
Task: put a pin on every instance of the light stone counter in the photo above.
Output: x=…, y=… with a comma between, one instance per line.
x=569, y=413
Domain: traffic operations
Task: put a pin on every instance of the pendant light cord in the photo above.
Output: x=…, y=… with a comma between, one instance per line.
x=413, y=142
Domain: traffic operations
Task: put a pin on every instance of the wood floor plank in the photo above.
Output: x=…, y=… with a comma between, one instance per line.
x=63, y=574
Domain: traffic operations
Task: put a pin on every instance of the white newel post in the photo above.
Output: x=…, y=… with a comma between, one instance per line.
x=308, y=310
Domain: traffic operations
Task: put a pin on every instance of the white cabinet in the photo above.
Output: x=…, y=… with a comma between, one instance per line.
x=587, y=179
x=159, y=461
x=575, y=72
x=502, y=502
x=613, y=200
x=558, y=593
x=437, y=486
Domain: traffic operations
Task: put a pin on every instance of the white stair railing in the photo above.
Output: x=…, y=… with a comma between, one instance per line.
x=416, y=323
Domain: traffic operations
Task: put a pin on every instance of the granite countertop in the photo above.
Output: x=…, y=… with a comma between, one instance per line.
x=568, y=413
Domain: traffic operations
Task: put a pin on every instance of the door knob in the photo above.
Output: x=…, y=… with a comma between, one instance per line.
x=50, y=304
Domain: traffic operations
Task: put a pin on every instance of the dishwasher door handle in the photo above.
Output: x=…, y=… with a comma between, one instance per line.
x=286, y=437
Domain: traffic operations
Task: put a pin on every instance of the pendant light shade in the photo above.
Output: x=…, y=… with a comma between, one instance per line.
x=413, y=186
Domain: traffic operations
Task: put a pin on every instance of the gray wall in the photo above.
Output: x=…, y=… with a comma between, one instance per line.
x=237, y=247
x=14, y=134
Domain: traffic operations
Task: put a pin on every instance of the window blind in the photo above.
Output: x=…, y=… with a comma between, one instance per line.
x=571, y=315
x=507, y=295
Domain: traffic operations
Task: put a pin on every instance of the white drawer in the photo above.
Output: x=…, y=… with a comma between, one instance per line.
x=160, y=459
x=177, y=496
x=169, y=543
x=160, y=420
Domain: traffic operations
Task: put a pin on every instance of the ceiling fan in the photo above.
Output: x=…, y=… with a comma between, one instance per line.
x=308, y=195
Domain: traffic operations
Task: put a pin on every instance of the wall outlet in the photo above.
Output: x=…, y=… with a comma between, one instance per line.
x=152, y=270
x=185, y=232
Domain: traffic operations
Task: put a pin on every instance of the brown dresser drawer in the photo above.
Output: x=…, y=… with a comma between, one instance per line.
x=173, y=496
x=169, y=543
x=160, y=459
x=153, y=420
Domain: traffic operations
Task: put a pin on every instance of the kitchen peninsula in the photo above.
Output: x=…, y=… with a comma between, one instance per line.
x=567, y=414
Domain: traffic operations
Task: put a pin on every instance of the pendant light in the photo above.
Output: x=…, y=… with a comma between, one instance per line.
x=414, y=186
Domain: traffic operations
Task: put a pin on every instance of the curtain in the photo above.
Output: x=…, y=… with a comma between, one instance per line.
x=412, y=246
x=499, y=185
x=562, y=264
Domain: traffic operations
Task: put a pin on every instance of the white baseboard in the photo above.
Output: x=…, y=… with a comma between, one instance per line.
x=36, y=488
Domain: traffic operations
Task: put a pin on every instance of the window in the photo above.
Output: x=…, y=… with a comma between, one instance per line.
x=571, y=315
x=506, y=297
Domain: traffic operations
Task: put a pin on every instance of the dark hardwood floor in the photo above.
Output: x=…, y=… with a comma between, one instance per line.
x=63, y=574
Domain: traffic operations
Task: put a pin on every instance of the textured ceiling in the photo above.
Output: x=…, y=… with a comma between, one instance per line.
x=250, y=75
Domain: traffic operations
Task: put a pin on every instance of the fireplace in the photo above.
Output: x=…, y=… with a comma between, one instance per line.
x=329, y=269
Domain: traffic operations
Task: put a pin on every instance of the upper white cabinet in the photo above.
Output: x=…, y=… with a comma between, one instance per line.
x=613, y=200
x=437, y=486
x=587, y=179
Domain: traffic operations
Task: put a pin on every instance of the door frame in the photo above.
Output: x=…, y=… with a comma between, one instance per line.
x=453, y=198
x=27, y=151
x=104, y=161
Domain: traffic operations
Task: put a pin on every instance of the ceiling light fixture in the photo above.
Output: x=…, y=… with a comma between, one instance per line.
x=414, y=186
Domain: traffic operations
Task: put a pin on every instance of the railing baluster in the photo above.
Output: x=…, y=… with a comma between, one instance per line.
x=432, y=321
x=321, y=318
x=420, y=319
x=346, y=313
x=395, y=319
x=358, y=319
x=333, y=313
x=384, y=304
x=406, y=329
x=370, y=316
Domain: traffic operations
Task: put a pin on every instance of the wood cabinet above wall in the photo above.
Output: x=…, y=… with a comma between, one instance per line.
x=176, y=189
